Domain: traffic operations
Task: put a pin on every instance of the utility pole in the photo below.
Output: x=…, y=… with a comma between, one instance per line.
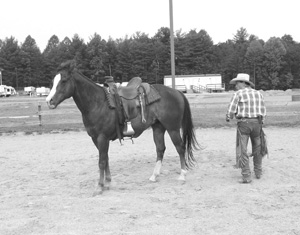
x=172, y=44
x=16, y=78
x=1, y=76
x=254, y=74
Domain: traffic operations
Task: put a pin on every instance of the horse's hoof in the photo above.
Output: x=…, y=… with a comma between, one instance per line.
x=106, y=187
x=97, y=192
x=152, y=178
x=182, y=175
x=181, y=178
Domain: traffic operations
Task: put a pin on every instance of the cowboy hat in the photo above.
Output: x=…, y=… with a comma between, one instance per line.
x=242, y=77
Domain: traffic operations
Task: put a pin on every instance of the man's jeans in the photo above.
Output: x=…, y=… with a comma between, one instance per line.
x=251, y=128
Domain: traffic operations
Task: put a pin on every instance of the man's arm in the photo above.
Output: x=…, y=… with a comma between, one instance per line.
x=232, y=108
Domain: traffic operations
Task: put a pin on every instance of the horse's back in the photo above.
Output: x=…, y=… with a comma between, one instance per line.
x=169, y=94
x=170, y=107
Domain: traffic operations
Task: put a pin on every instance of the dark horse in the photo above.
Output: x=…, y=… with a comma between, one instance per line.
x=170, y=113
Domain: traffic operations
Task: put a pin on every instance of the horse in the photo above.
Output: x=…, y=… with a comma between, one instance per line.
x=170, y=113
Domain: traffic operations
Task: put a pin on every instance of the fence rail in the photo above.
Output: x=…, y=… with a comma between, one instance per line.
x=209, y=88
x=198, y=89
x=22, y=114
x=215, y=87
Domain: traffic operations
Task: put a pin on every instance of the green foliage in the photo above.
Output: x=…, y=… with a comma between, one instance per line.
x=10, y=58
x=31, y=64
x=254, y=57
x=274, y=64
x=51, y=57
x=96, y=55
x=194, y=53
x=274, y=51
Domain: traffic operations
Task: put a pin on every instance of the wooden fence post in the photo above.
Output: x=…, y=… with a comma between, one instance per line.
x=40, y=113
x=295, y=97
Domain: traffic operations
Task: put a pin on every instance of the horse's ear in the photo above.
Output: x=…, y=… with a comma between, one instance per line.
x=69, y=65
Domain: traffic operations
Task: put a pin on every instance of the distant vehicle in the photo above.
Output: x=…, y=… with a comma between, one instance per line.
x=29, y=90
x=7, y=91
x=42, y=91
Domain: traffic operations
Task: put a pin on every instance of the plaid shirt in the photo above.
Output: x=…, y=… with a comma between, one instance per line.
x=246, y=103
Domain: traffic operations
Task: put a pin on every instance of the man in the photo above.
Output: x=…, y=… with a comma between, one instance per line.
x=247, y=106
x=110, y=83
x=112, y=88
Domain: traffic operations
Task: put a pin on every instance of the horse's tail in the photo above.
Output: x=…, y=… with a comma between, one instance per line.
x=188, y=135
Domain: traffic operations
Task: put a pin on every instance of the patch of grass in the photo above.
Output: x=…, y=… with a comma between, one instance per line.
x=208, y=111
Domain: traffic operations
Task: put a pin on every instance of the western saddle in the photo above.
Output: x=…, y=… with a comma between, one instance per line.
x=127, y=100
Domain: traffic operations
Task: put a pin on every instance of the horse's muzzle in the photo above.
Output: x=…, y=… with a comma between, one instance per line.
x=51, y=105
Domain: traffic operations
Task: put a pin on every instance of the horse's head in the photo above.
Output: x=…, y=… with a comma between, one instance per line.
x=63, y=85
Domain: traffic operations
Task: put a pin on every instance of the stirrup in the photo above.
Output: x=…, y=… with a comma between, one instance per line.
x=128, y=130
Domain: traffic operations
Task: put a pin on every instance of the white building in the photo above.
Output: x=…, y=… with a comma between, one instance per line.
x=197, y=83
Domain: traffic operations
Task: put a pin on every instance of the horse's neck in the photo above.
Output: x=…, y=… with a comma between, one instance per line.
x=86, y=93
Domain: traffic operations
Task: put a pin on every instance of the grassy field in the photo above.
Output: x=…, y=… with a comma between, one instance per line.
x=209, y=110
x=21, y=114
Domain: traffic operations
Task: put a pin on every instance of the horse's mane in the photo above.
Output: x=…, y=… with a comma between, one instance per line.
x=70, y=66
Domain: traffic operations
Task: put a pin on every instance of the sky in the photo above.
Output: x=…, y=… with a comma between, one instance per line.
x=41, y=19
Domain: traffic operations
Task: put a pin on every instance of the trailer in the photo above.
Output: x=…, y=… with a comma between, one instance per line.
x=7, y=91
x=180, y=83
x=42, y=91
x=29, y=90
x=197, y=83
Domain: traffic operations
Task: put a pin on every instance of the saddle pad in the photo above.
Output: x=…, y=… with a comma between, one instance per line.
x=152, y=96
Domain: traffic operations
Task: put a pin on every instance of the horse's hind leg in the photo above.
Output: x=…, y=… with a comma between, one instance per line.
x=178, y=143
x=107, y=175
x=158, y=136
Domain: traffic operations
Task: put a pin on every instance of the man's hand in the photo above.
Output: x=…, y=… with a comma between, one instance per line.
x=227, y=118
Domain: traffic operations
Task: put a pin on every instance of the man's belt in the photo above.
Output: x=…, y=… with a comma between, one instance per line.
x=247, y=119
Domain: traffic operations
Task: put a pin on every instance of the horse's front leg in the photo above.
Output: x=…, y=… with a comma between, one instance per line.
x=103, y=146
x=107, y=175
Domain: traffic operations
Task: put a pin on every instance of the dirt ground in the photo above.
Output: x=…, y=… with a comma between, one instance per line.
x=47, y=182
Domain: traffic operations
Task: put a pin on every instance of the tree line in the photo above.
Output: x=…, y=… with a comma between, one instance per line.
x=274, y=64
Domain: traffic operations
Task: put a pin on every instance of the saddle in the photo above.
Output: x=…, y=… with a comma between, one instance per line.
x=129, y=100
x=133, y=96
